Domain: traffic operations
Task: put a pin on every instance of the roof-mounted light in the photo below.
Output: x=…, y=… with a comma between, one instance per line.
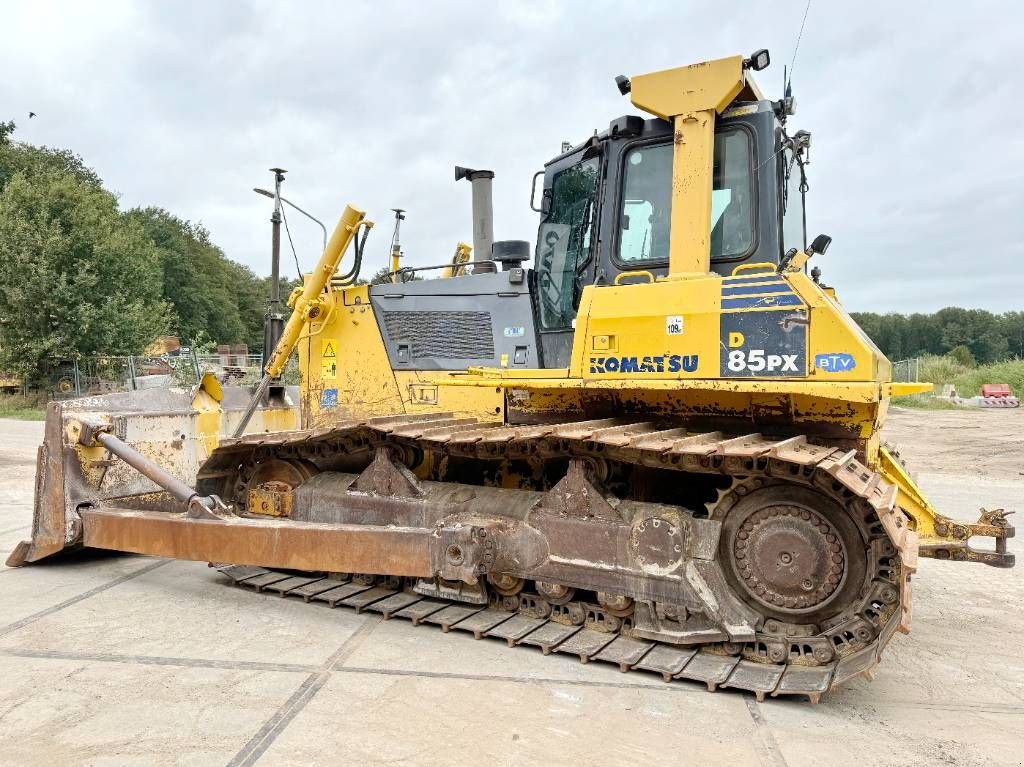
x=758, y=60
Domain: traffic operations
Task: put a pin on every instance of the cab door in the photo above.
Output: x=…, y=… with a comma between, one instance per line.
x=566, y=241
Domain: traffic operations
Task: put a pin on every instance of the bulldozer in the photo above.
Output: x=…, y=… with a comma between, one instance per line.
x=658, y=446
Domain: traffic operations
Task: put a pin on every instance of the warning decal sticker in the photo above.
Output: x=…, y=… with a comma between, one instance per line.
x=329, y=361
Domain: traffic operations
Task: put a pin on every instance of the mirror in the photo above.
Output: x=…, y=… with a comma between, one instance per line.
x=533, y=191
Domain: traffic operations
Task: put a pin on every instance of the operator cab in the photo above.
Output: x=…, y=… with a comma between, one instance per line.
x=606, y=210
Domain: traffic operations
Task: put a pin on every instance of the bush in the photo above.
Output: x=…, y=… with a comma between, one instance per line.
x=962, y=355
x=1010, y=372
x=968, y=379
x=940, y=370
x=925, y=402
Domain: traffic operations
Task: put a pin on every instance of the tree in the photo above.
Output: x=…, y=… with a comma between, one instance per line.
x=383, y=275
x=955, y=335
x=197, y=278
x=77, y=278
x=985, y=336
x=992, y=346
x=1011, y=326
x=210, y=293
x=31, y=160
x=194, y=291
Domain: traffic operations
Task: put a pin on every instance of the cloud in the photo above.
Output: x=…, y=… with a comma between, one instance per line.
x=917, y=159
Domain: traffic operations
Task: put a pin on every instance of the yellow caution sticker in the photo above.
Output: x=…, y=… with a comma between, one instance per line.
x=329, y=361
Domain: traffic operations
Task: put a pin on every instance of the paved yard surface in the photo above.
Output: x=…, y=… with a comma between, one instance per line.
x=117, y=660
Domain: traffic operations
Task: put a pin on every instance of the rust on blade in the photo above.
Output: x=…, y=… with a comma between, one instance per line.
x=266, y=542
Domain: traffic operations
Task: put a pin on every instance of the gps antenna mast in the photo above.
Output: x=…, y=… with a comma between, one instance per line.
x=396, y=245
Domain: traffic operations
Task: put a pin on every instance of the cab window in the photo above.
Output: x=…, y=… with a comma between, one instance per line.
x=563, y=242
x=647, y=200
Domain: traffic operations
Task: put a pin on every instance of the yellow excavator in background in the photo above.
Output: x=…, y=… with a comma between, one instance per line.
x=658, y=447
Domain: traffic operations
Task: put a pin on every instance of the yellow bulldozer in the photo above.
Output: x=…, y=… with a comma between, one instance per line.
x=657, y=447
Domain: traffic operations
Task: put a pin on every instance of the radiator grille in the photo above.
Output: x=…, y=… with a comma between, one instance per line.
x=448, y=335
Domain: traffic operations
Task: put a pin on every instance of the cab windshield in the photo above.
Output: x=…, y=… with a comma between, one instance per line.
x=647, y=201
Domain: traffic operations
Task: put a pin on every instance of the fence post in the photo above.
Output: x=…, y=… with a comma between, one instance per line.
x=131, y=373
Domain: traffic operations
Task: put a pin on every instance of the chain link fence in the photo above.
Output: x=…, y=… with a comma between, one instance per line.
x=906, y=371
x=105, y=374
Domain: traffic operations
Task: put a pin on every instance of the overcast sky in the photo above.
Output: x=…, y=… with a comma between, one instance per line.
x=917, y=157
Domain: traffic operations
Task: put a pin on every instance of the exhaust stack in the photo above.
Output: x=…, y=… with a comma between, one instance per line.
x=483, y=210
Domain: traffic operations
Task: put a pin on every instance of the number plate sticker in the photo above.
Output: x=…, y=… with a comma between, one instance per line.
x=764, y=344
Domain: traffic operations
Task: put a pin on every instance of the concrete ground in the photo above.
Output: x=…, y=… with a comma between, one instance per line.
x=118, y=660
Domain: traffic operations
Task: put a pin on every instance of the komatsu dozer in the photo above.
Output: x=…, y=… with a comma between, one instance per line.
x=657, y=445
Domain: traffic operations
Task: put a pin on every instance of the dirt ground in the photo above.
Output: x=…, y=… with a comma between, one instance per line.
x=118, y=660
x=983, y=443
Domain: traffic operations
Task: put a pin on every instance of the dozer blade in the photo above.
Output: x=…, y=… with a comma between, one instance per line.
x=175, y=429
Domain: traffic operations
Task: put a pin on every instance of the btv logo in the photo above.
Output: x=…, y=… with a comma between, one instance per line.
x=839, y=362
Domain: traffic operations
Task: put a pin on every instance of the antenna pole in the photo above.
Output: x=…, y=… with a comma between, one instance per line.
x=273, y=322
x=396, y=245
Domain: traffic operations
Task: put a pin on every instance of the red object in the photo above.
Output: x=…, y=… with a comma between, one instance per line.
x=996, y=390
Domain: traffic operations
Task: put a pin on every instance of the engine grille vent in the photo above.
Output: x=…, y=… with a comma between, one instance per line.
x=448, y=335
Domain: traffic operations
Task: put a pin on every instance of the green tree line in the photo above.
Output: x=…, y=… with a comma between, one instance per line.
x=79, y=276
x=971, y=335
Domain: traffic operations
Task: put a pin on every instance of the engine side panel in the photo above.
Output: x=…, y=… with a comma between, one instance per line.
x=453, y=324
x=347, y=372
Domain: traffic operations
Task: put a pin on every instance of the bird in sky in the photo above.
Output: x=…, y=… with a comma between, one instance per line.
x=31, y=115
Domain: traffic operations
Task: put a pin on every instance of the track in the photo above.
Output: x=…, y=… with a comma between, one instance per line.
x=784, y=659
x=713, y=668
